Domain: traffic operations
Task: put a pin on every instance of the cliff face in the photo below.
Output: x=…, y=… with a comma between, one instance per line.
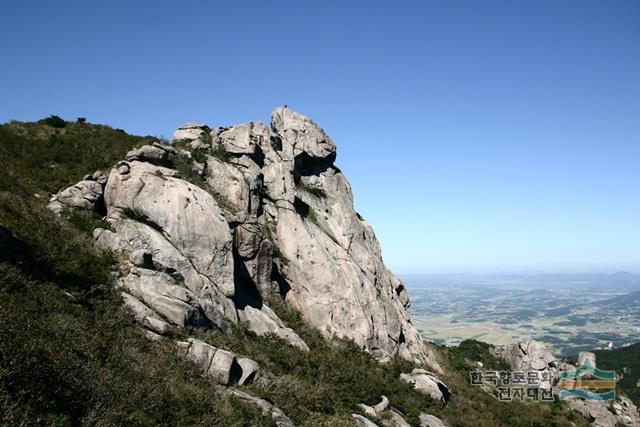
x=211, y=228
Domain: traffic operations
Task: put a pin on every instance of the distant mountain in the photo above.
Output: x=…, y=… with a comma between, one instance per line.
x=619, y=278
x=628, y=301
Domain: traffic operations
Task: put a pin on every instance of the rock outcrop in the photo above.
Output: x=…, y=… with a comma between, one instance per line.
x=224, y=366
x=532, y=355
x=427, y=383
x=427, y=420
x=86, y=194
x=258, y=213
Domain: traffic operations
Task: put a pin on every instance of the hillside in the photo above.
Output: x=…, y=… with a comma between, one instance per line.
x=626, y=362
x=71, y=354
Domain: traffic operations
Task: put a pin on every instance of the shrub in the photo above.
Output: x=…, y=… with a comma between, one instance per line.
x=54, y=122
x=313, y=189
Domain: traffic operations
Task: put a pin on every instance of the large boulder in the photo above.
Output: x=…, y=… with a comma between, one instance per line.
x=267, y=215
x=427, y=383
x=85, y=195
x=190, y=132
x=156, y=154
x=238, y=139
x=302, y=134
x=224, y=366
x=532, y=355
x=179, y=250
x=187, y=216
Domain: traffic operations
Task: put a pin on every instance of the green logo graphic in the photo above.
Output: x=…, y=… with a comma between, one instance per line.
x=588, y=382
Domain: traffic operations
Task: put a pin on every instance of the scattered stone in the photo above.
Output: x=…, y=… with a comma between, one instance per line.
x=382, y=406
x=427, y=420
x=267, y=408
x=425, y=382
x=250, y=370
x=395, y=420
x=363, y=422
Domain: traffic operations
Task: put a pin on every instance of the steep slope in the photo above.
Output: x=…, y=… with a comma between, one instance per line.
x=267, y=215
x=70, y=354
x=626, y=362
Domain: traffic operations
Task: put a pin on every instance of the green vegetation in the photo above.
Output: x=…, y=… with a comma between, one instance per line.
x=327, y=382
x=184, y=165
x=71, y=355
x=625, y=361
x=54, y=122
x=464, y=358
x=37, y=158
x=314, y=189
x=473, y=406
x=218, y=151
x=85, y=221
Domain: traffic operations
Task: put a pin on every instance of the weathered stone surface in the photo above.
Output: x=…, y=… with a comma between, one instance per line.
x=531, y=355
x=427, y=420
x=276, y=198
x=250, y=370
x=367, y=410
x=382, y=406
x=267, y=408
x=190, y=132
x=83, y=195
x=142, y=258
x=599, y=413
x=263, y=321
x=395, y=420
x=150, y=153
x=595, y=411
x=145, y=315
x=583, y=356
x=626, y=411
x=238, y=139
x=363, y=422
x=427, y=383
x=189, y=217
x=228, y=184
x=374, y=411
x=325, y=242
x=100, y=177
x=160, y=292
x=219, y=364
x=304, y=135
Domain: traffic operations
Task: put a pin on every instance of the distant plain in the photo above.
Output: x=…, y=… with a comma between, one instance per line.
x=568, y=312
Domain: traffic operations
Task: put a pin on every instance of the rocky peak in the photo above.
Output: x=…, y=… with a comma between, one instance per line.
x=253, y=214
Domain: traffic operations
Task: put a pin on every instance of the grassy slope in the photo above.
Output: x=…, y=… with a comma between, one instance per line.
x=626, y=362
x=81, y=360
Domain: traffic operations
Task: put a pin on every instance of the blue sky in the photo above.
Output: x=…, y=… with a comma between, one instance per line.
x=477, y=135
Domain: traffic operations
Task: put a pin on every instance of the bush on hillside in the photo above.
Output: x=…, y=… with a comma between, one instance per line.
x=54, y=122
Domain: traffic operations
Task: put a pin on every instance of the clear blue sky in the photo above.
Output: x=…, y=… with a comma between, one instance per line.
x=477, y=135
